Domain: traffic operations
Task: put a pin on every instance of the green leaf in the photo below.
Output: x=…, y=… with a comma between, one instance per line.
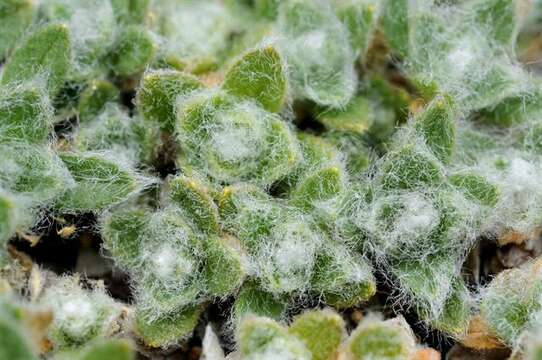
x=252, y=300
x=15, y=17
x=436, y=125
x=193, y=196
x=321, y=331
x=248, y=213
x=384, y=340
x=170, y=270
x=45, y=54
x=130, y=11
x=114, y=349
x=511, y=302
x=224, y=272
x=7, y=216
x=456, y=312
x=158, y=93
x=233, y=141
x=318, y=186
x=318, y=53
x=408, y=169
x=316, y=151
x=430, y=46
x=26, y=114
x=81, y=315
x=112, y=129
x=14, y=339
x=167, y=330
x=532, y=139
x=354, y=148
x=120, y=233
x=259, y=337
x=259, y=75
x=100, y=183
x=33, y=171
x=516, y=109
x=432, y=287
x=133, y=51
x=110, y=349
x=94, y=98
x=496, y=83
x=395, y=25
x=359, y=17
x=499, y=19
x=476, y=187
x=342, y=278
x=356, y=117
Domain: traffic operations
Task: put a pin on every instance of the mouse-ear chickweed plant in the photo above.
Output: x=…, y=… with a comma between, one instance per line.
x=297, y=175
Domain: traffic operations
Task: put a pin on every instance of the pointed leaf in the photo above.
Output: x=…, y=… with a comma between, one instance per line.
x=436, y=125
x=44, y=54
x=259, y=75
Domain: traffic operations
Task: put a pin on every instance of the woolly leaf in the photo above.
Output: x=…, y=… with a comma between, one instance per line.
x=261, y=337
x=44, y=53
x=111, y=349
x=232, y=141
x=429, y=286
x=224, y=272
x=532, y=139
x=321, y=332
x=408, y=169
x=94, y=98
x=133, y=51
x=259, y=75
x=391, y=339
x=286, y=257
x=81, y=315
x=170, y=274
x=158, y=93
x=516, y=109
x=430, y=45
x=193, y=196
x=494, y=84
x=191, y=44
x=248, y=213
x=91, y=26
x=167, y=330
x=316, y=151
x=14, y=342
x=252, y=300
x=100, y=183
x=342, y=278
x=318, y=186
x=7, y=223
x=436, y=125
x=456, y=312
x=357, y=117
x=113, y=130
x=354, y=148
x=359, y=18
x=114, y=349
x=15, y=17
x=500, y=19
x=33, y=171
x=130, y=11
x=26, y=114
x=318, y=53
x=120, y=232
x=395, y=25
x=511, y=302
x=476, y=187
